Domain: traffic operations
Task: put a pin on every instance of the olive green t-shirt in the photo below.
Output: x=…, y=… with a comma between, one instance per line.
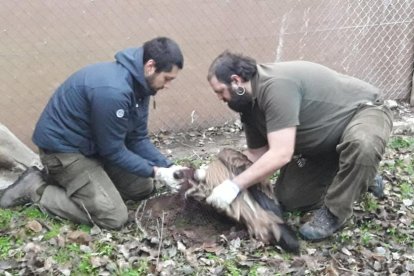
x=317, y=100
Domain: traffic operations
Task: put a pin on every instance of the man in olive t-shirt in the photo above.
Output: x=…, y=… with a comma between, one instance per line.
x=326, y=132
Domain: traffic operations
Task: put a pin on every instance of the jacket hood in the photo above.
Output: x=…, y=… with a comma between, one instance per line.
x=131, y=59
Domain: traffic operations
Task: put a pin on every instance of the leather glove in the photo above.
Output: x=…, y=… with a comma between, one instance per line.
x=166, y=177
x=223, y=195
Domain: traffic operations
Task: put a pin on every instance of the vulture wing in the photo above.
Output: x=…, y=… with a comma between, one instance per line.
x=256, y=207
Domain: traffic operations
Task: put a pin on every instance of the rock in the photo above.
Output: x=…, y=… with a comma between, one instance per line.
x=14, y=149
x=391, y=104
x=405, y=126
x=15, y=157
x=380, y=251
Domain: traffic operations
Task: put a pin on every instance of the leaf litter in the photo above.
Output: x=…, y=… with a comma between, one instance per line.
x=378, y=240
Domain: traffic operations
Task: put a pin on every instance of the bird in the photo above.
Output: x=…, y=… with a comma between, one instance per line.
x=256, y=207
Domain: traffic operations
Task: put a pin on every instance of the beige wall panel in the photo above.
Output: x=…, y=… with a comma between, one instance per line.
x=43, y=41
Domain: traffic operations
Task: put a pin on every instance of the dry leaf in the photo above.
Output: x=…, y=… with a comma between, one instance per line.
x=34, y=226
x=79, y=237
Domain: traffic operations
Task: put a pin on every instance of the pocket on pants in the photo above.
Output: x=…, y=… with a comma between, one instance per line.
x=56, y=162
x=87, y=190
x=79, y=182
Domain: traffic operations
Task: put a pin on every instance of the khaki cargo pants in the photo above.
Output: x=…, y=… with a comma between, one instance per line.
x=338, y=179
x=82, y=186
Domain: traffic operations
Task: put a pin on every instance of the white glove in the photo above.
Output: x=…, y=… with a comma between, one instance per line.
x=166, y=177
x=223, y=195
x=200, y=175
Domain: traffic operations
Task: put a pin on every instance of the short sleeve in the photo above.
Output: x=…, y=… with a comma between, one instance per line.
x=280, y=101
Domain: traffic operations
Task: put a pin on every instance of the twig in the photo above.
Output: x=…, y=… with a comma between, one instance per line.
x=195, y=153
x=144, y=203
x=89, y=216
x=186, y=145
x=138, y=221
x=160, y=233
x=341, y=267
x=44, y=224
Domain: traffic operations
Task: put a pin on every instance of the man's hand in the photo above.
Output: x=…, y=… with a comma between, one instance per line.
x=166, y=176
x=223, y=195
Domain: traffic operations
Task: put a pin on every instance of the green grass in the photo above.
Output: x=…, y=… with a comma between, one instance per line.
x=5, y=217
x=400, y=143
x=103, y=248
x=25, y=213
x=212, y=256
x=345, y=237
x=369, y=203
x=399, y=237
x=80, y=261
x=253, y=270
x=53, y=232
x=5, y=246
x=33, y=212
x=366, y=237
x=192, y=162
x=83, y=227
x=62, y=256
x=231, y=268
x=140, y=269
x=85, y=266
x=407, y=190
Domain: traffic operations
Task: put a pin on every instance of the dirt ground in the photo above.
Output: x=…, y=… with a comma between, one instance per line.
x=199, y=147
x=167, y=235
x=209, y=141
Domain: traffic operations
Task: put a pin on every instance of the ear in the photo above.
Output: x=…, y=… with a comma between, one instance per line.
x=237, y=79
x=149, y=67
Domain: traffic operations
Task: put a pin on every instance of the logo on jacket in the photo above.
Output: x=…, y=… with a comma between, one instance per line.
x=120, y=113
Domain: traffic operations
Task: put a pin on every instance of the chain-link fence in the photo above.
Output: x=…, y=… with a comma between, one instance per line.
x=44, y=41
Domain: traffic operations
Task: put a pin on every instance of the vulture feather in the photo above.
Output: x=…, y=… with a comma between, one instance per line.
x=256, y=207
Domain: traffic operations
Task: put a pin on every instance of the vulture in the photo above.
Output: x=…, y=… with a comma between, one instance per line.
x=257, y=207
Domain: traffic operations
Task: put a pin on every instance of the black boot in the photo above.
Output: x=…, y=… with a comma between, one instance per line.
x=377, y=189
x=321, y=226
x=24, y=190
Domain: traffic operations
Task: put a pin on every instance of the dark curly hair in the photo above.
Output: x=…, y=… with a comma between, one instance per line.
x=227, y=64
x=165, y=52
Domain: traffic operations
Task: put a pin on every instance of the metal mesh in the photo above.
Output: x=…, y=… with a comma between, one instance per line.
x=372, y=40
x=44, y=41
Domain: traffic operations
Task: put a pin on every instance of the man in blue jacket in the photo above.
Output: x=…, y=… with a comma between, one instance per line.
x=93, y=139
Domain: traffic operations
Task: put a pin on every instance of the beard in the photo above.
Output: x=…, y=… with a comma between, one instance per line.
x=240, y=103
x=151, y=84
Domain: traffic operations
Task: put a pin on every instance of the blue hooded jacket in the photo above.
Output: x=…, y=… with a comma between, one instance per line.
x=102, y=110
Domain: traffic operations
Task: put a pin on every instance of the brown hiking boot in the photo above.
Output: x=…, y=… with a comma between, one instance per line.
x=322, y=225
x=23, y=190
